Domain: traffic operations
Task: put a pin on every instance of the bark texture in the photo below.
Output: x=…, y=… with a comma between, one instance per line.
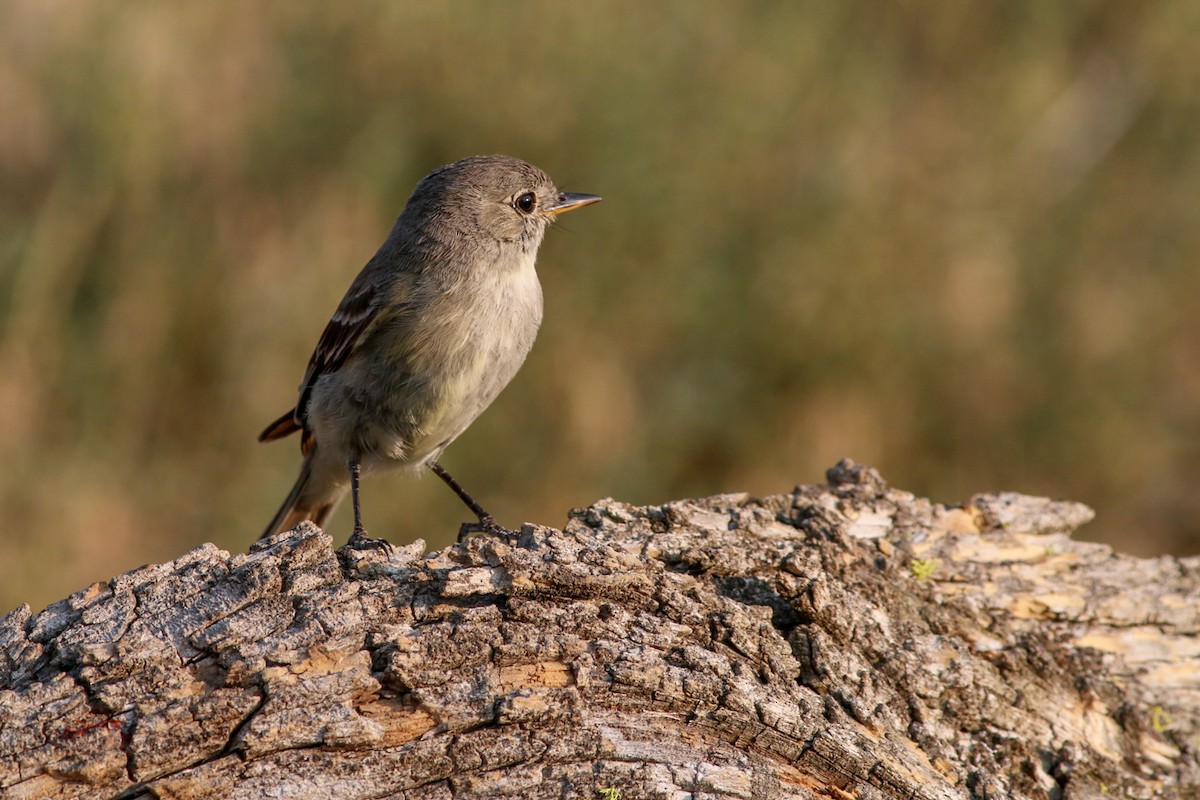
x=846, y=640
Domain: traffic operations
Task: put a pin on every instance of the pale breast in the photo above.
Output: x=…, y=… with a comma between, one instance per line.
x=497, y=321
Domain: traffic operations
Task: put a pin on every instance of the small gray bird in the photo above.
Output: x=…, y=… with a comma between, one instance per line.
x=435, y=325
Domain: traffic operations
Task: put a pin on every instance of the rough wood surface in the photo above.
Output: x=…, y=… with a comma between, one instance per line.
x=847, y=640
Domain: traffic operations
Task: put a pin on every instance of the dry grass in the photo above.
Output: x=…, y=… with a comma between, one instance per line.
x=958, y=242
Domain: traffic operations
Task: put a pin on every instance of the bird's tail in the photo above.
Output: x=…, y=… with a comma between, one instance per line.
x=301, y=504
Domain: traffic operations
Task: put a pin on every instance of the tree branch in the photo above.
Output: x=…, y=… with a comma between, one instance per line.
x=848, y=640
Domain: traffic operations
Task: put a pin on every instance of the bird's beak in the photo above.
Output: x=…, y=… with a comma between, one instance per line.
x=569, y=201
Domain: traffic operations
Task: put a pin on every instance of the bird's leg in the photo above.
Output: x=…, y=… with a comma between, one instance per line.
x=440, y=471
x=359, y=538
x=487, y=522
x=355, y=473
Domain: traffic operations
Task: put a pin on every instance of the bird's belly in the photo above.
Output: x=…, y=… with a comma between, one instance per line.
x=478, y=375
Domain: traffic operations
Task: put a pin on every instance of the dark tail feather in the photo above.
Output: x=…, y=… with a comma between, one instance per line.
x=284, y=426
x=291, y=514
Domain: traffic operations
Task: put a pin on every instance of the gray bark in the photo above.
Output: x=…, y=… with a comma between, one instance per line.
x=847, y=640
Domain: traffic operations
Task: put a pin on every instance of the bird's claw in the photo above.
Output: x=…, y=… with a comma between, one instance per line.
x=486, y=524
x=360, y=541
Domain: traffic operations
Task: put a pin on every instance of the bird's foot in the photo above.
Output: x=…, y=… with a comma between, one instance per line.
x=486, y=524
x=360, y=541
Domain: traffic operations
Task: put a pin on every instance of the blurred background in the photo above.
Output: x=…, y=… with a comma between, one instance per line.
x=957, y=242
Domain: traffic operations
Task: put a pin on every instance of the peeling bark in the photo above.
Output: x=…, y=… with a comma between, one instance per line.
x=847, y=640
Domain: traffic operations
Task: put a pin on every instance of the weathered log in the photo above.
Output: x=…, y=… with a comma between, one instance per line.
x=847, y=640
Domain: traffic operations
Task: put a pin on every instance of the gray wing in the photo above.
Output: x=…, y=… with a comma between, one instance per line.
x=355, y=317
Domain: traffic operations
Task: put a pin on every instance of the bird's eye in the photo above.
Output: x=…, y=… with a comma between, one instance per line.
x=526, y=202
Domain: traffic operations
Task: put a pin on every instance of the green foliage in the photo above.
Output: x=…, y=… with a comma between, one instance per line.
x=922, y=569
x=956, y=242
